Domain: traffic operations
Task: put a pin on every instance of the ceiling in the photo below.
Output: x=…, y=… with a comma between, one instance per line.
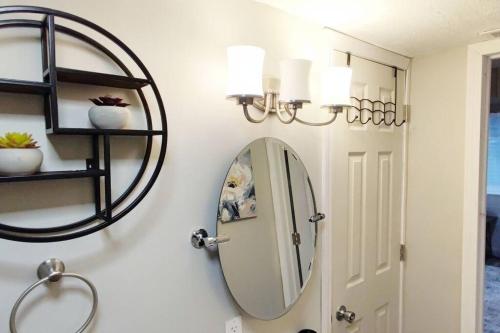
x=409, y=27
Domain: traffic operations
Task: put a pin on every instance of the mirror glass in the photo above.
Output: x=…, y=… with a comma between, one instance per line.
x=265, y=206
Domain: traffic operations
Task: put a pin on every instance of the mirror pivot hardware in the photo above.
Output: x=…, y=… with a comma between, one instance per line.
x=316, y=218
x=296, y=238
x=199, y=239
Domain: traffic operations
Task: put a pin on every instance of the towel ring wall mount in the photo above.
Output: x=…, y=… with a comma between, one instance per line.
x=50, y=271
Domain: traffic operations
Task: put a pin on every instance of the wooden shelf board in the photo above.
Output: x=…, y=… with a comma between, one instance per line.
x=49, y=175
x=98, y=79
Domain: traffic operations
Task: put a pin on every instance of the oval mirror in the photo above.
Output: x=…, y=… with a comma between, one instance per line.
x=265, y=206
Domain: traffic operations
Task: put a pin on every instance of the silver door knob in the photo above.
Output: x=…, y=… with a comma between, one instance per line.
x=343, y=314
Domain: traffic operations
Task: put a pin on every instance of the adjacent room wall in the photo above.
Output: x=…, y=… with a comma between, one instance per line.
x=435, y=193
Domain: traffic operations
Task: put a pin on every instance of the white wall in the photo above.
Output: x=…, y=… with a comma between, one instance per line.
x=148, y=276
x=435, y=193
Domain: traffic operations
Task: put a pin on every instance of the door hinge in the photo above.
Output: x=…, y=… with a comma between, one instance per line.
x=407, y=112
x=402, y=252
x=296, y=238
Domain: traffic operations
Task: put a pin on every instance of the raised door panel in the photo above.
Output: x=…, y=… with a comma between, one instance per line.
x=382, y=323
x=384, y=208
x=356, y=219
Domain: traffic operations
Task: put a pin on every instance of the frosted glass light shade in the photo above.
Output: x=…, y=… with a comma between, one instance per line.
x=295, y=81
x=244, y=76
x=336, y=86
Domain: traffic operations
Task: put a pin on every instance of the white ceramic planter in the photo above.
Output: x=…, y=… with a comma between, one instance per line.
x=108, y=117
x=20, y=161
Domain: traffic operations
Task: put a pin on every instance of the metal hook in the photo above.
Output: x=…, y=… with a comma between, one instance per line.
x=400, y=124
x=388, y=123
x=392, y=121
x=406, y=107
x=352, y=121
x=365, y=122
x=361, y=116
x=347, y=116
x=381, y=118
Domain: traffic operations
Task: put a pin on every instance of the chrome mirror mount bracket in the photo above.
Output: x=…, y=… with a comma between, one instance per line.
x=200, y=239
x=317, y=218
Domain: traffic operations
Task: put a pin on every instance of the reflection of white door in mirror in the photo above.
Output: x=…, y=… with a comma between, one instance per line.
x=292, y=195
x=284, y=225
x=303, y=209
x=268, y=261
x=366, y=167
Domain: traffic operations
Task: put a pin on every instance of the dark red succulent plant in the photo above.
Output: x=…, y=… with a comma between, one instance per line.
x=109, y=101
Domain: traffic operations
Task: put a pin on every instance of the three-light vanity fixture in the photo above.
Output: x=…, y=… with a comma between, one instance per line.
x=285, y=98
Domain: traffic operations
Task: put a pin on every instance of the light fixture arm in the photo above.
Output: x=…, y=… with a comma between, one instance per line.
x=250, y=118
x=333, y=110
x=328, y=122
x=293, y=114
x=270, y=103
x=244, y=102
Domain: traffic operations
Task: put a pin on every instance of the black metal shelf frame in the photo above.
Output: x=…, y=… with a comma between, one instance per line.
x=50, y=175
x=98, y=79
x=24, y=87
x=52, y=74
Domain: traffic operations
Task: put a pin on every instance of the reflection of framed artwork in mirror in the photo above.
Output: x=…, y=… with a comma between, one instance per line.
x=268, y=262
x=238, y=200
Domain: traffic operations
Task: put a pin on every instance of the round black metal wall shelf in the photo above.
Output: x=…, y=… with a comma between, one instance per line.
x=107, y=215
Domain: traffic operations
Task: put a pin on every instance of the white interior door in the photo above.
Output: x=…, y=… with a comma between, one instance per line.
x=366, y=190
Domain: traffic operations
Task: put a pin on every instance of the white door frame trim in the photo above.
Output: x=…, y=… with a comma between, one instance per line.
x=326, y=228
x=404, y=194
x=326, y=238
x=474, y=211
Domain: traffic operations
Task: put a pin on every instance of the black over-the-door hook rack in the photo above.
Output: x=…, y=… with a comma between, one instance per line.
x=374, y=108
x=52, y=75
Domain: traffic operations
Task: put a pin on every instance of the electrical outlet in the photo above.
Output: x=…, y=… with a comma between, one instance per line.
x=234, y=325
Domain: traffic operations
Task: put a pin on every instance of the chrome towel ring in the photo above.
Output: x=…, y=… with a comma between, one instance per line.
x=52, y=270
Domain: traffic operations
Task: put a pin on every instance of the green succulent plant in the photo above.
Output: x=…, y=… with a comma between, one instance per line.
x=17, y=140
